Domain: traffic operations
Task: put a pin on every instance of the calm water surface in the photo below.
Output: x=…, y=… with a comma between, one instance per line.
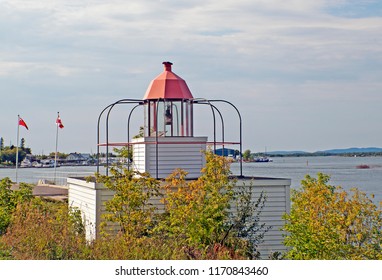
x=342, y=170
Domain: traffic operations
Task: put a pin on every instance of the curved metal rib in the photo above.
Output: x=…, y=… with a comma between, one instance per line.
x=110, y=107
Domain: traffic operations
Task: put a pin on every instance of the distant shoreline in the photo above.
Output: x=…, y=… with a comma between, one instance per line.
x=379, y=154
x=347, y=152
x=48, y=167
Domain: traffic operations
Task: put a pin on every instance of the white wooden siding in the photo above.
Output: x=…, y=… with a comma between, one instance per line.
x=277, y=192
x=83, y=197
x=90, y=198
x=173, y=153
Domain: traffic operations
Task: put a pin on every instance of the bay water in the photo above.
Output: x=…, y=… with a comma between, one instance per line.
x=343, y=171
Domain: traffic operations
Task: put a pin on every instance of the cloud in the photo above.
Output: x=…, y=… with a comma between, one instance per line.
x=270, y=56
x=13, y=68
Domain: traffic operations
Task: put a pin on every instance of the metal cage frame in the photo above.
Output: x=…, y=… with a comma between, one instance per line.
x=139, y=102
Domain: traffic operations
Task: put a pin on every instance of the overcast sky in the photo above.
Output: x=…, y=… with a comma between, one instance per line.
x=306, y=75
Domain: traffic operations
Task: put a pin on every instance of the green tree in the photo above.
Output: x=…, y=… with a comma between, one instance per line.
x=245, y=224
x=22, y=143
x=23, y=148
x=9, y=199
x=125, y=152
x=198, y=210
x=131, y=206
x=59, y=155
x=247, y=155
x=1, y=143
x=194, y=220
x=326, y=222
x=141, y=132
x=8, y=154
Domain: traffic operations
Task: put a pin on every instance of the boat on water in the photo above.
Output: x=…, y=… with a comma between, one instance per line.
x=259, y=159
x=36, y=164
x=363, y=166
x=262, y=159
x=48, y=163
x=25, y=163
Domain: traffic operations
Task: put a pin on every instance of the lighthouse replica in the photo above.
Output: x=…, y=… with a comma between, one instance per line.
x=168, y=142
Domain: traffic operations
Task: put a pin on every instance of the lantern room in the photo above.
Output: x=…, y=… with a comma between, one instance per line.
x=168, y=106
x=168, y=140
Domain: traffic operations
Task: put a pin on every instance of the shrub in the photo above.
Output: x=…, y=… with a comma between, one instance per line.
x=326, y=222
x=131, y=206
x=9, y=199
x=199, y=213
x=45, y=230
x=245, y=224
x=194, y=221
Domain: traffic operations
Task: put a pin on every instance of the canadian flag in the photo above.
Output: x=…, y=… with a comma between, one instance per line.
x=22, y=123
x=59, y=122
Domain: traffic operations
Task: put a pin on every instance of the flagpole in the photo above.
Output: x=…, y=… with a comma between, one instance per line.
x=17, y=146
x=55, y=155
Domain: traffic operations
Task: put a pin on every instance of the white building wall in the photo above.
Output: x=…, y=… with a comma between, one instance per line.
x=90, y=198
x=277, y=192
x=173, y=152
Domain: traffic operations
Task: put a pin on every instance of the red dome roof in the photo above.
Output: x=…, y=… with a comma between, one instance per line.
x=168, y=86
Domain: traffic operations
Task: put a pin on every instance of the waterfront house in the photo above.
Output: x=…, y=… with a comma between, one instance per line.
x=78, y=159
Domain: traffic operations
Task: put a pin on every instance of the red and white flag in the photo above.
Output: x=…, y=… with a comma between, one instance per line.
x=22, y=123
x=59, y=122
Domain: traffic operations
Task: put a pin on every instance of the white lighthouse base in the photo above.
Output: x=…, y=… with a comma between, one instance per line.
x=90, y=198
x=162, y=158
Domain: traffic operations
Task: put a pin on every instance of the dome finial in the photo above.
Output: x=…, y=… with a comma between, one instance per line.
x=167, y=65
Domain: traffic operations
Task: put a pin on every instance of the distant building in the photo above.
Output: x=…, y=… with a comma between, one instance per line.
x=227, y=152
x=78, y=158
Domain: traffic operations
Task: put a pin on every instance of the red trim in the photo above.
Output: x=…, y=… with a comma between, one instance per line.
x=159, y=142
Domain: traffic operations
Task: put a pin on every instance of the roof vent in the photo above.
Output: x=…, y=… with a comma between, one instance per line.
x=168, y=85
x=167, y=65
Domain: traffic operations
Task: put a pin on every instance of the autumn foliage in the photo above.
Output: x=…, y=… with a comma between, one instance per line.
x=187, y=219
x=45, y=230
x=172, y=219
x=208, y=218
x=327, y=222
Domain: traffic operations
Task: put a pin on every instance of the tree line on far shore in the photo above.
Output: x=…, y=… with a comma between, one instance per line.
x=8, y=153
x=247, y=154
